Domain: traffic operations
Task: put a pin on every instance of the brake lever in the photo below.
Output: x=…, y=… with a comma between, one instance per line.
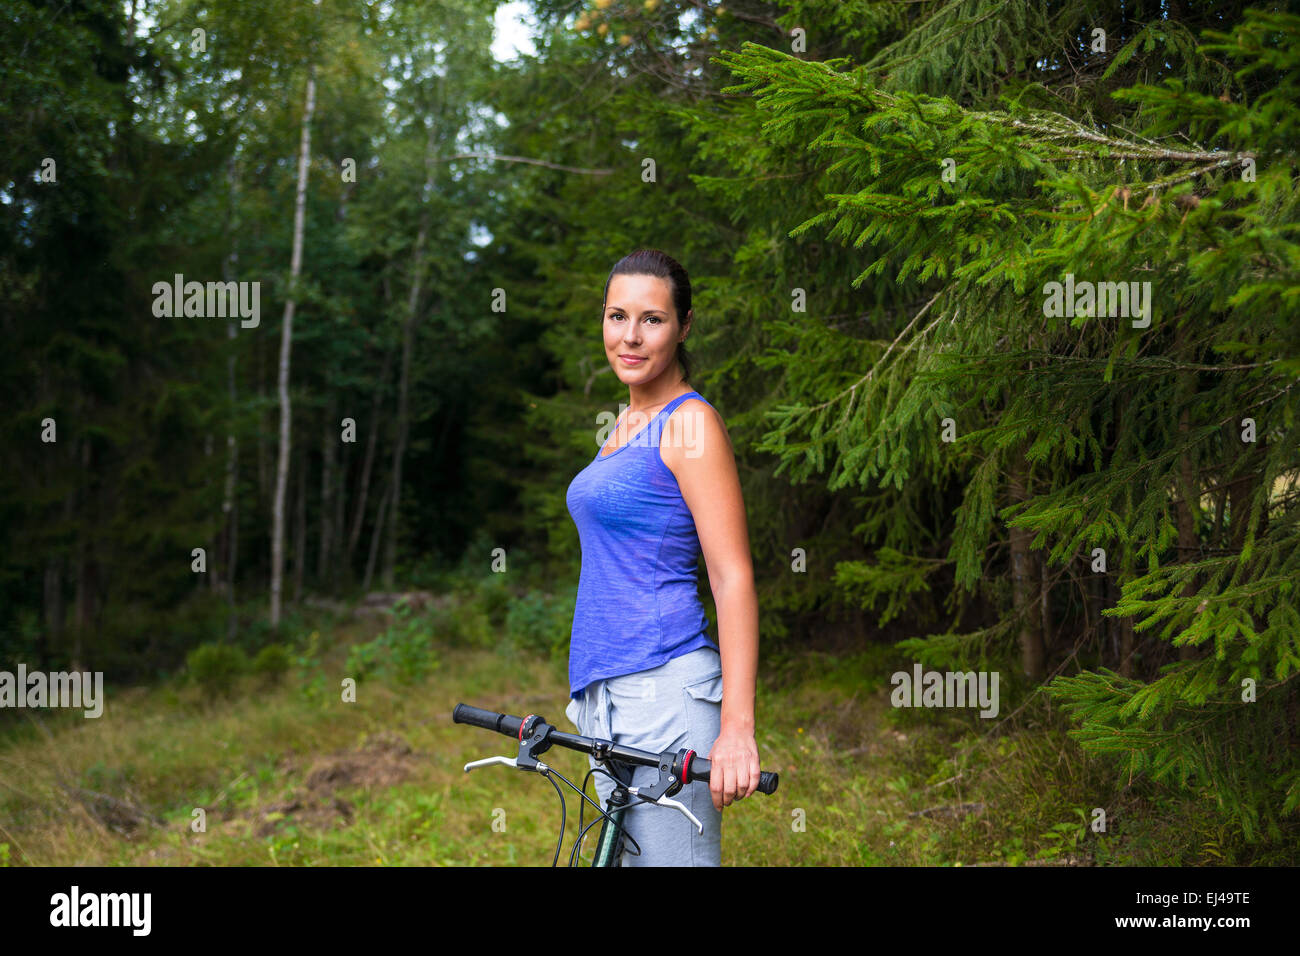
x=666, y=801
x=534, y=738
x=506, y=761
x=488, y=761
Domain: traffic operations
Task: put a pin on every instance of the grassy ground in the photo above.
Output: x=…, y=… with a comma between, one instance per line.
x=289, y=774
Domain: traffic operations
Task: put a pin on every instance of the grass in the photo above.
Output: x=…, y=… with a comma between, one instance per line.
x=289, y=774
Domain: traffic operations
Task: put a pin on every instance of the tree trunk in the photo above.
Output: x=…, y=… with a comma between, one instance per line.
x=359, y=515
x=330, y=517
x=340, y=496
x=1024, y=581
x=408, y=339
x=229, y=509
x=262, y=495
x=300, y=528
x=53, y=607
x=329, y=448
x=81, y=605
x=1117, y=652
x=212, y=577
x=1045, y=603
x=1126, y=642
x=84, y=596
x=286, y=338
x=1095, y=601
x=374, y=543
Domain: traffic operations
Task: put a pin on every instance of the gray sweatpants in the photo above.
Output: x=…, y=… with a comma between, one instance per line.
x=678, y=704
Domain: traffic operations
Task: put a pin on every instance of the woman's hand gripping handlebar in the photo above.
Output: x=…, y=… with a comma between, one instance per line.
x=536, y=736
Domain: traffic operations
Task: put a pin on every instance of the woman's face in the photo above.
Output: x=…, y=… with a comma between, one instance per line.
x=640, y=322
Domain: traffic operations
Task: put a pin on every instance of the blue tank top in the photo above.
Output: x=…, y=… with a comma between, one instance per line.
x=638, y=606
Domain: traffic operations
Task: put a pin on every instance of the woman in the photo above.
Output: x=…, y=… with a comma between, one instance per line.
x=642, y=669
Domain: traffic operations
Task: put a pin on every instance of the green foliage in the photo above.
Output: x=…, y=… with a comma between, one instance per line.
x=817, y=172
x=494, y=597
x=216, y=667
x=309, y=668
x=272, y=662
x=404, y=652
x=894, y=576
x=1084, y=431
x=1067, y=834
x=540, y=622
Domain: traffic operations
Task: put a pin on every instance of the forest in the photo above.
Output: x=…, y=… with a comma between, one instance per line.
x=302, y=304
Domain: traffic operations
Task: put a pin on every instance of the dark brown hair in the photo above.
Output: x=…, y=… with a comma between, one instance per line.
x=652, y=262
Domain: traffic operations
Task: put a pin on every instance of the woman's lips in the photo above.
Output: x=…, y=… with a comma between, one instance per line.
x=632, y=359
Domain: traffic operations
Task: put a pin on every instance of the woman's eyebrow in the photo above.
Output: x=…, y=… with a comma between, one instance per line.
x=619, y=308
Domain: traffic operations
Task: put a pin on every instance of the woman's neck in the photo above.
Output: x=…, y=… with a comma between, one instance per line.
x=642, y=399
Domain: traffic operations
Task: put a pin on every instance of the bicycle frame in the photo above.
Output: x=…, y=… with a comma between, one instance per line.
x=609, y=846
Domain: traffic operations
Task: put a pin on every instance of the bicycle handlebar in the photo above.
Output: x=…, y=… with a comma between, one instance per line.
x=487, y=719
x=510, y=726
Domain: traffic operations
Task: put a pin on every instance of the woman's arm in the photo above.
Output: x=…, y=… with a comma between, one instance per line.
x=697, y=450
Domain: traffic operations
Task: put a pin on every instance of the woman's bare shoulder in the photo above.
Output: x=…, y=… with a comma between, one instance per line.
x=695, y=430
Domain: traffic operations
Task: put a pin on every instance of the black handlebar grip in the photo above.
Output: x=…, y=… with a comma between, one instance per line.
x=487, y=719
x=767, y=779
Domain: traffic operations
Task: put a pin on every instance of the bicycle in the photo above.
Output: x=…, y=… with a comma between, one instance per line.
x=536, y=736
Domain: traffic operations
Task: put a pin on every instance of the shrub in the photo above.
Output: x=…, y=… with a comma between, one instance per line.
x=403, y=651
x=494, y=597
x=272, y=662
x=540, y=622
x=216, y=667
x=310, y=668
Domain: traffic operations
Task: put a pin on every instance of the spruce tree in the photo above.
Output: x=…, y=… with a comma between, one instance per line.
x=1076, y=431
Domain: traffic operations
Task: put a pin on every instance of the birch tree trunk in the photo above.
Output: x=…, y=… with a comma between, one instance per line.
x=286, y=338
